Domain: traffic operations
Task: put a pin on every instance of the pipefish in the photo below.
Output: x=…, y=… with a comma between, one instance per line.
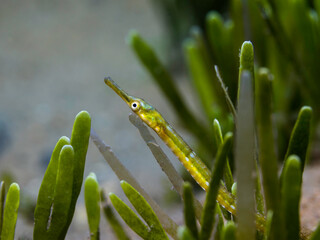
x=198, y=170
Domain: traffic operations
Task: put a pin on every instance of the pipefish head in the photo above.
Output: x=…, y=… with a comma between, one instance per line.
x=144, y=110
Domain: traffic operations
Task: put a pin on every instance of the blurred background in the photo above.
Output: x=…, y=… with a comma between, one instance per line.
x=54, y=56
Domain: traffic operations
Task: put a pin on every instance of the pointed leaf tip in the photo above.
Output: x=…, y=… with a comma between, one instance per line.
x=306, y=110
x=247, y=56
x=132, y=36
x=15, y=186
x=92, y=175
x=294, y=161
x=213, y=17
x=299, y=139
x=67, y=149
x=189, y=44
x=228, y=136
x=291, y=194
x=184, y=233
x=10, y=212
x=92, y=203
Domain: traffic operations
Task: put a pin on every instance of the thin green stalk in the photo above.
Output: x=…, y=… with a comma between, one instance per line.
x=221, y=40
x=207, y=62
x=267, y=156
x=189, y=214
x=226, y=94
x=202, y=77
x=112, y=219
x=217, y=232
x=216, y=176
x=244, y=158
x=2, y=202
x=92, y=203
x=268, y=225
x=46, y=193
x=184, y=233
x=10, y=212
x=130, y=218
x=229, y=231
x=260, y=205
x=198, y=35
x=145, y=211
x=153, y=230
x=300, y=136
x=62, y=198
x=246, y=62
x=291, y=193
x=237, y=18
x=284, y=44
x=228, y=178
x=79, y=141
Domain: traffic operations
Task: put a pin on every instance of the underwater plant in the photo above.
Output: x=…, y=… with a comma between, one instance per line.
x=246, y=198
x=231, y=210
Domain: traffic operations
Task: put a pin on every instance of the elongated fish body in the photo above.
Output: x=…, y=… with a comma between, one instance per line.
x=179, y=147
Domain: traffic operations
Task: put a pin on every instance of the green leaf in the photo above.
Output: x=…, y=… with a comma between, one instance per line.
x=217, y=132
x=226, y=95
x=212, y=193
x=267, y=155
x=215, y=32
x=46, y=192
x=198, y=35
x=92, y=202
x=189, y=213
x=300, y=136
x=221, y=41
x=202, y=77
x=2, y=201
x=229, y=231
x=258, y=193
x=244, y=153
x=10, y=212
x=112, y=219
x=79, y=141
x=145, y=211
x=228, y=178
x=247, y=58
x=237, y=18
x=58, y=222
x=246, y=61
x=268, y=225
x=131, y=219
x=291, y=193
x=256, y=29
x=234, y=189
x=184, y=233
x=220, y=221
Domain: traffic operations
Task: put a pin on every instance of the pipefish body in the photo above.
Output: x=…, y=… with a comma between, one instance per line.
x=198, y=170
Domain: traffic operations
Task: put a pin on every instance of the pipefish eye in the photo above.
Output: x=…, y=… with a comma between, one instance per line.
x=135, y=106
